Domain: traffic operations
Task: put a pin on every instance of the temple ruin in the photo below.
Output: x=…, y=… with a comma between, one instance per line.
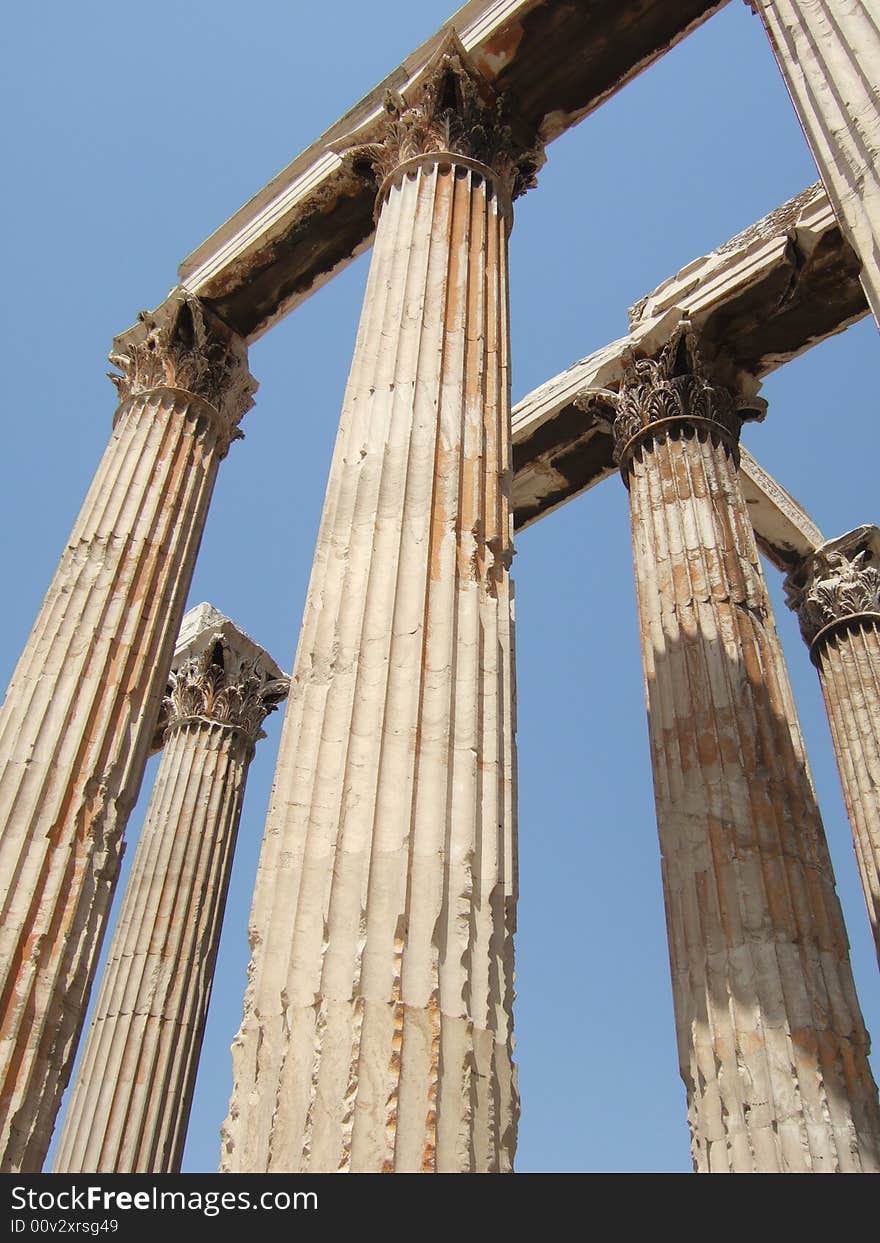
x=377, y=1028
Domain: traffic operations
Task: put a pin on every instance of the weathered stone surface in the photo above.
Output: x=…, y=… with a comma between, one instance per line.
x=377, y=1022
x=81, y=709
x=557, y=59
x=784, y=531
x=133, y=1089
x=455, y=110
x=828, y=52
x=836, y=594
x=776, y=289
x=772, y=1045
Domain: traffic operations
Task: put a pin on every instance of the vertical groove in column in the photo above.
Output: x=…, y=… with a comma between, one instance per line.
x=772, y=1045
x=828, y=51
x=79, y=715
x=150, y=999
x=275, y=893
x=376, y=1030
x=385, y=894
x=134, y=1085
x=848, y=668
x=836, y=593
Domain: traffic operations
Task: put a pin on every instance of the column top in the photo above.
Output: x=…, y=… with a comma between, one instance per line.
x=837, y=584
x=218, y=672
x=254, y=266
x=204, y=624
x=864, y=539
x=184, y=346
x=674, y=386
x=451, y=109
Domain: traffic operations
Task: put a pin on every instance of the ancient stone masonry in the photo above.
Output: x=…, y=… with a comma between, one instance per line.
x=828, y=52
x=836, y=594
x=773, y=291
x=81, y=710
x=558, y=60
x=132, y=1093
x=772, y=1046
x=377, y=1024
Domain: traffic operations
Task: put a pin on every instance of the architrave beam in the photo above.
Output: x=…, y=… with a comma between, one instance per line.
x=776, y=289
x=315, y=217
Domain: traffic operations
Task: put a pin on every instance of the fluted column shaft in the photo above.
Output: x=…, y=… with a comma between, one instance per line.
x=133, y=1089
x=80, y=712
x=849, y=670
x=377, y=1025
x=772, y=1045
x=838, y=601
x=828, y=52
x=131, y=1099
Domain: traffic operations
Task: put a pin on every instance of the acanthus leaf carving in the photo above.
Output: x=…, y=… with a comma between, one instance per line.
x=676, y=385
x=837, y=587
x=218, y=687
x=454, y=110
x=182, y=346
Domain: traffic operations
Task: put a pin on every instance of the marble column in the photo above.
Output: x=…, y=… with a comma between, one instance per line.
x=133, y=1090
x=836, y=594
x=80, y=712
x=772, y=1045
x=377, y=1025
x=829, y=54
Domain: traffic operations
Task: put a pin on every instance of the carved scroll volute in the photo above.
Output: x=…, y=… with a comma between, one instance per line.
x=453, y=110
x=672, y=390
x=836, y=586
x=220, y=688
x=184, y=348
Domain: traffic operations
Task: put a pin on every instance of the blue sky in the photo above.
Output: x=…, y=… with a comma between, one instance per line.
x=130, y=135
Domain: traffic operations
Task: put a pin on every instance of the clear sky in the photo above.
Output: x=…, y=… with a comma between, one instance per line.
x=130, y=134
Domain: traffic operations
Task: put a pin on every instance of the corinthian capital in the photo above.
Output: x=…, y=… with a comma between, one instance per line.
x=838, y=583
x=183, y=346
x=220, y=676
x=453, y=110
x=673, y=388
